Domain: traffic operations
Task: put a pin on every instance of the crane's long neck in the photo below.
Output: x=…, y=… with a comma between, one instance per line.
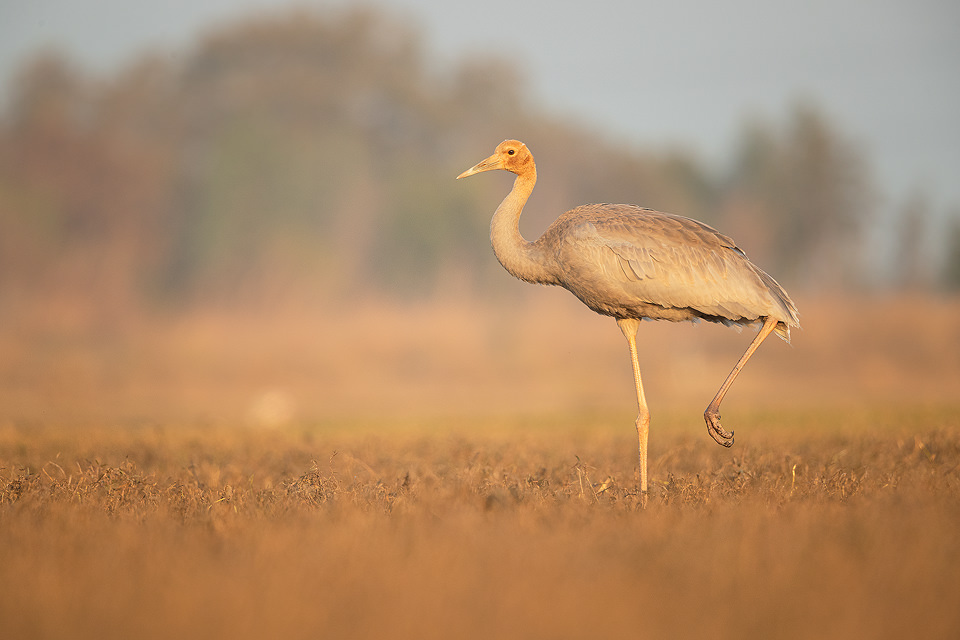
x=525, y=260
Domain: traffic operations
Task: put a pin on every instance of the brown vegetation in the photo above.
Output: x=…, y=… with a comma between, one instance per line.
x=495, y=530
x=540, y=354
x=464, y=471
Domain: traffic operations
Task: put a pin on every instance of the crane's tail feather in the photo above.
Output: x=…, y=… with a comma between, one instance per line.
x=788, y=316
x=783, y=330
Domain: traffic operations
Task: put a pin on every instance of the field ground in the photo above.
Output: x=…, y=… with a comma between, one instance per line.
x=455, y=474
x=528, y=532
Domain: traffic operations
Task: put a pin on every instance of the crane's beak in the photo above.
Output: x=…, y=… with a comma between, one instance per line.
x=493, y=162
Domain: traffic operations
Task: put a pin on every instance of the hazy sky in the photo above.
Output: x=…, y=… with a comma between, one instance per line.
x=886, y=72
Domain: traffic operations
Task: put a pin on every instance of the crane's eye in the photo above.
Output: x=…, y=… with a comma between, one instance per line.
x=510, y=152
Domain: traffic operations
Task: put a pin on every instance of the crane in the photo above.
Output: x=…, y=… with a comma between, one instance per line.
x=635, y=264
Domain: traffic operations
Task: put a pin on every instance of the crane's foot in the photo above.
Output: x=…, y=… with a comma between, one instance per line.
x=716, y=431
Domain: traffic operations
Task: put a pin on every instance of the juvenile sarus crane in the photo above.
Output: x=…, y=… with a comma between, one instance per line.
x=633, y=264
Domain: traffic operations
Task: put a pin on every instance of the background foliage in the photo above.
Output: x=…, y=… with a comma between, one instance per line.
x=311, y=157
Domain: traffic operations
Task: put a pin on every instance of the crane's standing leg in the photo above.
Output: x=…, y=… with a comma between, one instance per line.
x=629, y=328
x=712, y=414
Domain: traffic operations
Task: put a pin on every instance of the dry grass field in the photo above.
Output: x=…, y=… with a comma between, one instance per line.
x=531, y=533
x=450, y=473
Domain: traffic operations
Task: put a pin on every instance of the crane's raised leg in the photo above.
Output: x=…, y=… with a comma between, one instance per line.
x=712, y=414
x=629, y=328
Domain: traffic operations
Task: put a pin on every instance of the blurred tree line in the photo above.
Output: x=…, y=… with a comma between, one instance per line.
x=312, y=156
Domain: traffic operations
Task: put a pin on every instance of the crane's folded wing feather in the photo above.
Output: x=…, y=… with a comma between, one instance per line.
x=622, y=255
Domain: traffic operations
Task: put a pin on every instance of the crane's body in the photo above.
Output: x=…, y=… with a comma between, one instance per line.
x=632, y=264
x=628, y=262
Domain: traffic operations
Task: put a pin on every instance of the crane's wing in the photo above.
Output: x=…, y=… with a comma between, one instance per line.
x=640, y=257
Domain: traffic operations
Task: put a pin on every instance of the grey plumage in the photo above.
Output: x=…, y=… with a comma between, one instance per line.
x=628, y=262
x=634, y=264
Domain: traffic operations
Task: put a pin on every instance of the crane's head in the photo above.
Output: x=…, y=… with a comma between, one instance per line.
x=511, y=155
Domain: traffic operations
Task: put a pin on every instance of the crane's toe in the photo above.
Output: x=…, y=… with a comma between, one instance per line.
x=716, y=430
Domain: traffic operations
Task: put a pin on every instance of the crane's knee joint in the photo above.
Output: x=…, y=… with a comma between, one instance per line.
x=643, y=421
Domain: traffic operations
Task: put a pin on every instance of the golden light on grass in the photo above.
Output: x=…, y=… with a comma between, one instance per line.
x=167, y=531
x=456, y=478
